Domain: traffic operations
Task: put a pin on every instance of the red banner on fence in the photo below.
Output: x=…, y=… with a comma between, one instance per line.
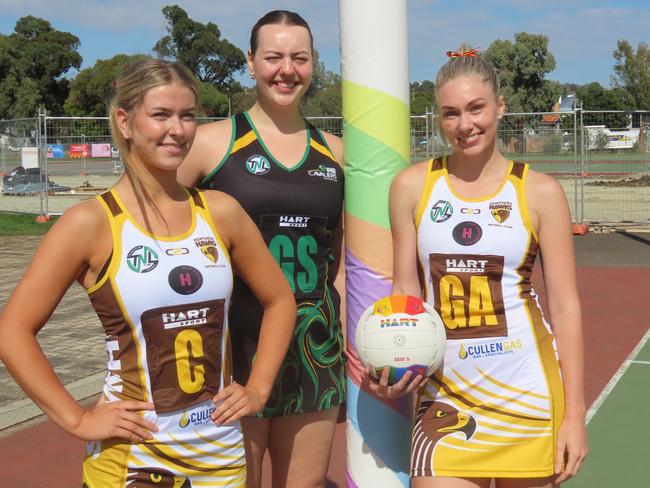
x=79, y=151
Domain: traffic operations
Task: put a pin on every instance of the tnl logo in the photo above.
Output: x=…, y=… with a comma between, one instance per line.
x=258, y=165
x=142, y=259
x=441, y=211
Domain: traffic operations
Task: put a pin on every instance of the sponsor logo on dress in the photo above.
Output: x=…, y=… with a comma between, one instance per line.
x=500, y=211
x=466, y=265
x=326, y=172
x=187, y=318
x=470, y=211
x=142, y=259
x=177, y=251
x=467, y=233
x=208, y=246
x=258, y=165
x=441, y=211
x=490, y=349
x=185, y=280
x=293, y=221
x=198, y=417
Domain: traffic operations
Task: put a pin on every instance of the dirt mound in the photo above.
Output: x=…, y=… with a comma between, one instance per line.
x=626, y=182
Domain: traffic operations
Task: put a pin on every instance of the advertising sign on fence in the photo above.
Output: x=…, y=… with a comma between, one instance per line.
x=100, y=150
x=79, y=150
x=55, y=151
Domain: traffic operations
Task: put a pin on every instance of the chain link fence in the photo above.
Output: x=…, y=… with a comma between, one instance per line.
x=601, y=159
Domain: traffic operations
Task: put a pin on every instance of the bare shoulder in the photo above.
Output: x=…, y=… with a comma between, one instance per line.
x=210, y=144
x=411, y=178
x=336, y=145
x=82, y=227
x=542, y=187
x=226, y=212
x=86, y=217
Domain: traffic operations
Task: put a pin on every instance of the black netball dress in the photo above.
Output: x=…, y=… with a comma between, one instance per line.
x=298, y=211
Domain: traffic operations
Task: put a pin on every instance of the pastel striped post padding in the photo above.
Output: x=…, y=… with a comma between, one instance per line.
x=374, y=65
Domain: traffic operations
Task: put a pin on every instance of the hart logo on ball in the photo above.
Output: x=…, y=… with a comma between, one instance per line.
x=402, y=333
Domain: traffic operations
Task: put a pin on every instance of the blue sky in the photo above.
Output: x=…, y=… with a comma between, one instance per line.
x=582, y=33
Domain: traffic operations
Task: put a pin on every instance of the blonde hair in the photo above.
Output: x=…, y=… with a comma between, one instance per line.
x=468, y=66
x=131, y=87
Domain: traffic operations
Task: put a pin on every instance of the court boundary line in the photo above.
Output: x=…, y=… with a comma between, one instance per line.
x=617, y=376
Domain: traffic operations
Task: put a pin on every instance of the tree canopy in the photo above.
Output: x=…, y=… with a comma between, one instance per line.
x=33, y=62
x=522, y=67
x=92, y=88
x=632, y=72
x=201, y=48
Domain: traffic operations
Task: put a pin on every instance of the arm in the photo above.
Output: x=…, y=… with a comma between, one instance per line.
x=255, y=264
x=208, y=149
x=72, y=249
x=405, y=192
x=550, y=213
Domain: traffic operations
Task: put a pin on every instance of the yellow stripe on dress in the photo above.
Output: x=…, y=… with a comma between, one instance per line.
x=220, y=445
x=322, y=149
x=513, y=389
x=243, y=141
x=189, y=467
x=497, y=396
x=453, y=392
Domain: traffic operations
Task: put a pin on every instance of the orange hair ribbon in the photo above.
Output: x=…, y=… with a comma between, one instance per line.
x=470, y=54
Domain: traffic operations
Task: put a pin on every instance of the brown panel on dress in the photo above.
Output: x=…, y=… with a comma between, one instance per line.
x=518, y=170
x=194, y=193
x=184, y=353
x=525, y=270
x=120, y=345
x=111, y=203
x=455, y=278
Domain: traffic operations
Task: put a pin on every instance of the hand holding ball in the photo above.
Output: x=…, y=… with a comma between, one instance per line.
x=403, y=333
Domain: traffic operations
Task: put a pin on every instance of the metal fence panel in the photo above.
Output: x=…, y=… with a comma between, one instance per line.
x=601, y=159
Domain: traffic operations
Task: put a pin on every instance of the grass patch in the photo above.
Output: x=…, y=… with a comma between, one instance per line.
x=16, y=224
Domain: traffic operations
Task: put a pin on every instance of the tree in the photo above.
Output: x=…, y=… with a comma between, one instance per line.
x=522, y=67
x=91, y=89
x=422, y=97
x=323, y=97
x=200, y=47
x=33, y=62
x=632, y=72
x=594, y=97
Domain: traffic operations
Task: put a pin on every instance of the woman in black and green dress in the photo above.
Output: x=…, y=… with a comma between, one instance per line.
x=288, y=177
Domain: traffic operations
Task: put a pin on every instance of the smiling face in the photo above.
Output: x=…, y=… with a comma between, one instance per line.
x=469, y=114
x=282, y=64
x=161, y=129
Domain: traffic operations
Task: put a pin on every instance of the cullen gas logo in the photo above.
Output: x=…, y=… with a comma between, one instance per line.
x=198, y=417
x=499, y=348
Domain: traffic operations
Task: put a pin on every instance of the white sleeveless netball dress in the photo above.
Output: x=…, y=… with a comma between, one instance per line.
x=163, y=303
x=494, y=407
